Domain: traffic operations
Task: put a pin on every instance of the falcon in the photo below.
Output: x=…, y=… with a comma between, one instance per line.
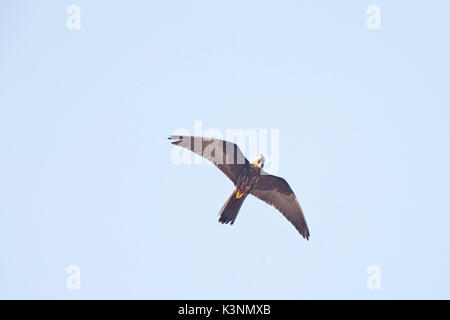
x=248, y=178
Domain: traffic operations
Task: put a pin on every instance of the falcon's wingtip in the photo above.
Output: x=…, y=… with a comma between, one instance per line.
x=175, y=139
x=307, y=235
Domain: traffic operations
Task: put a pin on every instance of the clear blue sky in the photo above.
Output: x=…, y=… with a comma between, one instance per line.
x=86, y=176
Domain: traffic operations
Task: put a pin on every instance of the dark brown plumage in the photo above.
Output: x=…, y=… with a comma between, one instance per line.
x=249, y=178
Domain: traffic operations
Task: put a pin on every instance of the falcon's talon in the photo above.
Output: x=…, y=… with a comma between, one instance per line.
x=239, y=194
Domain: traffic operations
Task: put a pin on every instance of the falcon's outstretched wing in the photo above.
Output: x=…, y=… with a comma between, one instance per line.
x=277, y=192
x=224, y=154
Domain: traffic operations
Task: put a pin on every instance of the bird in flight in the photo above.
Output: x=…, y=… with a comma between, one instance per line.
x=248, y=178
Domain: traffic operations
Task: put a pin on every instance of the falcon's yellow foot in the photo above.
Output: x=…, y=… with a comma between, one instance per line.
x=239, y=194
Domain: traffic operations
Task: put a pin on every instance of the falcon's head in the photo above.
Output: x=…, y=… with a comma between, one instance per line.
x=259, y=162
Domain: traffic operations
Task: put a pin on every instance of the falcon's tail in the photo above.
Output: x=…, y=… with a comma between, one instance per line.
x=231, y=208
